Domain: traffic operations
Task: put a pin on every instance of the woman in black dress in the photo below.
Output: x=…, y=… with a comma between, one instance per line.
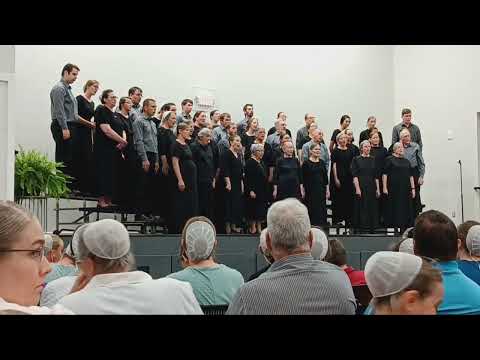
x=167, y=183
x=367, y=134
x=185, y=204
x=231, y=171
x=367, y=190
x=354, y=148
x=288, y=179
x=124, y=195
x=345, y=121
x=256, y=189
x=110, y=140
x=249, y=136
x=82, y=151
x=267, y=160
x=341, y=181
x=315, y=180
x=379, y=153
x=204, y=158
x=399, y=189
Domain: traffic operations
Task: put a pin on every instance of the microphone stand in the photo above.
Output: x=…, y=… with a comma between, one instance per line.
x=461, y=187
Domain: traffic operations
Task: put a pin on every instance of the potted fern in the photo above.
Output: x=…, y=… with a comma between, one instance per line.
x=36, y=179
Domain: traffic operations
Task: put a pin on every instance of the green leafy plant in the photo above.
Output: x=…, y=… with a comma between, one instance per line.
x=36, y=175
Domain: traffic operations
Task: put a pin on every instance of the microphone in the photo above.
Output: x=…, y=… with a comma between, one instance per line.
x=460, y=162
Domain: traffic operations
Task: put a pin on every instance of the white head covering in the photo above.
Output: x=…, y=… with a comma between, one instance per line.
x=48, y=246
x=199, y=240
x=107, y=239
x=473, y=240
x=389, y=272
x=165, y=115
x=263, y=240
x=319, y=245
x=406, y=246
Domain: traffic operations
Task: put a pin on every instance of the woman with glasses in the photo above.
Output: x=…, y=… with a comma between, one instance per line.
x=110, y=140
x=212, y=283
x=23, y=265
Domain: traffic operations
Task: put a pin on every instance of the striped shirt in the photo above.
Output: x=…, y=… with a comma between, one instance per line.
x=296, y=285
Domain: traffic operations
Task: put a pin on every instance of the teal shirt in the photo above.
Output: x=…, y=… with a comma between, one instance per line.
x=212, y=286
x=59, y=271
x=462, y=295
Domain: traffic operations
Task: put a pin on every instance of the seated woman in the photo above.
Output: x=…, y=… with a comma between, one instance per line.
x=22, y=254
x=212, y=283
x=64, y=267
x=469, y=258
x=403, y=284
x=107, y=285
x=337, y=255
x=55, y=252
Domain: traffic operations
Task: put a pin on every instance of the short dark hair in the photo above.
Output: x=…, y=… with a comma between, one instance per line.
x=463, y=231
x=213, y=113
x=406, y=111
x=170, y=104
x=281, y=112
x=104, y=95
x=132, y=90
x=69, y=68
x=435, y=236
x=187, y=101
x=336, y=254
x=224, y=115
x=147, y=102
x=343, y=118
x=122, y=101
x=197, y=114
x=245, y=106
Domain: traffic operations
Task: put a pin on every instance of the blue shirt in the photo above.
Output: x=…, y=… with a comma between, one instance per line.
x=471, y=269
x=59, y=271
x=462, y=295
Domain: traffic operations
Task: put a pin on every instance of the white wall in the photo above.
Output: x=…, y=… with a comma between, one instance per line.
x=327, y=80
x=440, y=85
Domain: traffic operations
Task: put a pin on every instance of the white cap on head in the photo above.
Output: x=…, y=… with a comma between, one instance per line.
x=473, y=240
x=199, y=240
x=107, y=239
x=319, y=245
x=48, y=246
x=165, y=114
x=263, y=240
x=389, y=272
x=406, y=246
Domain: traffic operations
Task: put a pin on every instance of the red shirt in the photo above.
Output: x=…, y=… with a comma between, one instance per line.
x=357, y=277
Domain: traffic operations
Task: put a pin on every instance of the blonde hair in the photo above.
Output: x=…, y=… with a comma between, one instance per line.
x=13, y=220
x=57, y=241
x=89, y=83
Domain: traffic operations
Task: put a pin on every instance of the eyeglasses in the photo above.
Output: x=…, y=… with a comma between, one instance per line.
x=36, y=254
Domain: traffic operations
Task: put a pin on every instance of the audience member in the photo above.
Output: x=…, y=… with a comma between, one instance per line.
x=23, y=264
x=107, y=285
x=337, y=255
x=320, y=244
x=267, y=255
x=295, y=278
x=436, y=237
x=403, y=284
x=212, y=283
x=469, y=251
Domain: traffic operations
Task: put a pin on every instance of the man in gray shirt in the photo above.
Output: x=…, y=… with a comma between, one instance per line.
x=274, y=139
x=220, y=132
x=64, y=111
x=187, y=106
x=145, y=140
x=413, y=153
x=302, y=134
x=407, y=124
x=317, y=137
x=295, y=284
x=242, y=125
x=135, y=94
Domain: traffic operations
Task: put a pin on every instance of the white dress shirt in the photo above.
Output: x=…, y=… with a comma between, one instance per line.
x=132, y=292
x=56, y=289
x=34, y=310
